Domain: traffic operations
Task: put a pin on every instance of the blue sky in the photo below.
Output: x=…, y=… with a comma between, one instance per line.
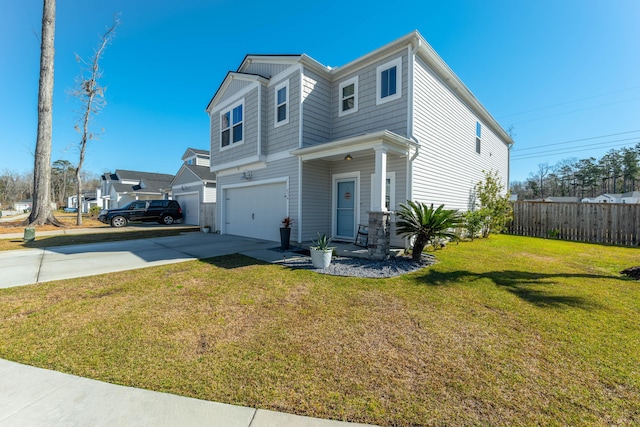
x=557, y=71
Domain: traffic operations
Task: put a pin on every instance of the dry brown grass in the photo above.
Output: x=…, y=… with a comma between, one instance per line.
x=68, y=219
x=506, y=331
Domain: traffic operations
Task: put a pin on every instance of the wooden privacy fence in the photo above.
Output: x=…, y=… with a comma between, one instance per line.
x=617, y=224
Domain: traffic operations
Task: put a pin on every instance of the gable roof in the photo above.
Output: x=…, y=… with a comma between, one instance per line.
x=146, y=176
x=199, y=173
x=195, y=151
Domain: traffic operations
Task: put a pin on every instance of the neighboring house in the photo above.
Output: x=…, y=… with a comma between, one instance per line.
x=23, y=205
x=556, y=199
x=124, y=186
x=335, y=148
x=194, y=187
x=89, y=200
x=630, y=197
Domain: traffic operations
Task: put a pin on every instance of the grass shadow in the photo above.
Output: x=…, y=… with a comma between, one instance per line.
x=535, y=288
x=230, y=262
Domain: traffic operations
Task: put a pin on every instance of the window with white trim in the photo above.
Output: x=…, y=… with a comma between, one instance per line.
x=389, y=81
x=282, y=104
x=478, y=136
x=232, y=125
x=348, y=95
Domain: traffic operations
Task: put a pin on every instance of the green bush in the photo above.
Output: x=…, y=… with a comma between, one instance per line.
x=94, y=211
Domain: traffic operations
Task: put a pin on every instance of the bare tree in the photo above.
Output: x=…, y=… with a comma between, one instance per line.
x=41, y=212
x=91, y=95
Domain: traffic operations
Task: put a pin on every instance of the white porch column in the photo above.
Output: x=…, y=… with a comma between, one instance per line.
x=379, y=181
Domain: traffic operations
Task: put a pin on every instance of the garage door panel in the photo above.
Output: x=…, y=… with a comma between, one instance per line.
x=256, y=211
x=190, y=204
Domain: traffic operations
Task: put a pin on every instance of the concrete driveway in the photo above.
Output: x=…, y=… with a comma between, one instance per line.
x=29, y=266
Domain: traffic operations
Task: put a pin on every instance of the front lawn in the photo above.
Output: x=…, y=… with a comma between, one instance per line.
x=502, y=331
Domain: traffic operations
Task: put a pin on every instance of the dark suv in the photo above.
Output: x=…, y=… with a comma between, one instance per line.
x=162, y=211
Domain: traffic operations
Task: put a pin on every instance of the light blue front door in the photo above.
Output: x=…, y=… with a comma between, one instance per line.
x=346, y=208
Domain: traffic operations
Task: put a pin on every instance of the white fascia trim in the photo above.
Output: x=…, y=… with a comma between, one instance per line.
x=235, y=99
x=259, y=144
x=284, y=179
x=382, y=139
x=245, y=162
x=280, y=155
x=300, y=110
x=225, y=84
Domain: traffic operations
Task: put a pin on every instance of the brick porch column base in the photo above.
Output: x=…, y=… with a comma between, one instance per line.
x=379, y=235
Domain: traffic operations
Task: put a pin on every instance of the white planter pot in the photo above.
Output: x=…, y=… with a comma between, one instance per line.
x=206, y=229
x=320, y=258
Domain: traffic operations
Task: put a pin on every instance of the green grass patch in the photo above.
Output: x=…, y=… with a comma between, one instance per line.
x=501, y=331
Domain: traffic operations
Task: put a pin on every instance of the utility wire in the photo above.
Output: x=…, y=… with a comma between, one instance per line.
x=575, y=140
x=568, y=102
x=568, y=150
x=574, y=111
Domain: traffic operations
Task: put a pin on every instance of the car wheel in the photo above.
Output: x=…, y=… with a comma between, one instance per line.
x=168, y=220
x=118, y=221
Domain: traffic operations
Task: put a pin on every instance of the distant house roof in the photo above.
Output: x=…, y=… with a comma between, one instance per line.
x=557, y=199
x=148, y=182
x=192, y=151
x=144, y=176
x=201, y=173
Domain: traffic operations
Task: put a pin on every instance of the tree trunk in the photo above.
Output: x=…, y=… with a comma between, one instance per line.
x=41, y=212
x=418, y=247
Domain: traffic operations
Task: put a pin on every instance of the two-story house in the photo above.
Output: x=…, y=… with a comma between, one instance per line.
x=335, y=148
x=194, y=187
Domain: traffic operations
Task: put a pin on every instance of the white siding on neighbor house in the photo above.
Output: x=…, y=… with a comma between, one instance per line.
x=250, y=128
x=448, y=166
x=280, y=169
x=316, y=107
x=235, y=86
x=370, y=117
x=286, y=136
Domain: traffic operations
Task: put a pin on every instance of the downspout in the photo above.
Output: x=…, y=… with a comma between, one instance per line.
x=412, y=49
x=259, y=153
x=300, y=130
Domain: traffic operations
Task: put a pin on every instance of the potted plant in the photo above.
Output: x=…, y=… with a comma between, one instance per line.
x=321, y=252
x=285, y=232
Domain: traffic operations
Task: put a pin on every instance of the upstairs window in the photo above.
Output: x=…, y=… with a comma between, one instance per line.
x=389, y=81
x=231, y=126
x=282, y=104
x=348, y=96
x=478, y=136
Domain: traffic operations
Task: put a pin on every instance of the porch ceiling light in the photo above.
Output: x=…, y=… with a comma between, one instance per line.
x=348, y=157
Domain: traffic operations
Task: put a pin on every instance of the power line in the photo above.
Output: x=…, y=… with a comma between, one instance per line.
x=576, y=140
x=575, y=111
x=570, y=150
x=569, y=102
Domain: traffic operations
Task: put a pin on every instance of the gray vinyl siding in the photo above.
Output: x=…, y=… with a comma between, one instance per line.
x=448, y=166
x=370, y=117
x=234, y=87
x=316, y=199
x=265, y=70
x=286, y=168
x=250, y=127
x=316, y=105
x=188, y=189
x=185, y=177
x=284, y=137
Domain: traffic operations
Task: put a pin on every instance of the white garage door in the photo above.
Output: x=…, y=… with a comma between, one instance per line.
x=190, y=205
x=256, y=211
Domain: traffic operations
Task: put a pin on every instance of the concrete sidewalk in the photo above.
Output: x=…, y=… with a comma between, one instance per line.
x=38, y=397
x=29, y=266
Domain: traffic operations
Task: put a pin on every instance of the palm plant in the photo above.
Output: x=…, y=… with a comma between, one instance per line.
x=426, y=224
